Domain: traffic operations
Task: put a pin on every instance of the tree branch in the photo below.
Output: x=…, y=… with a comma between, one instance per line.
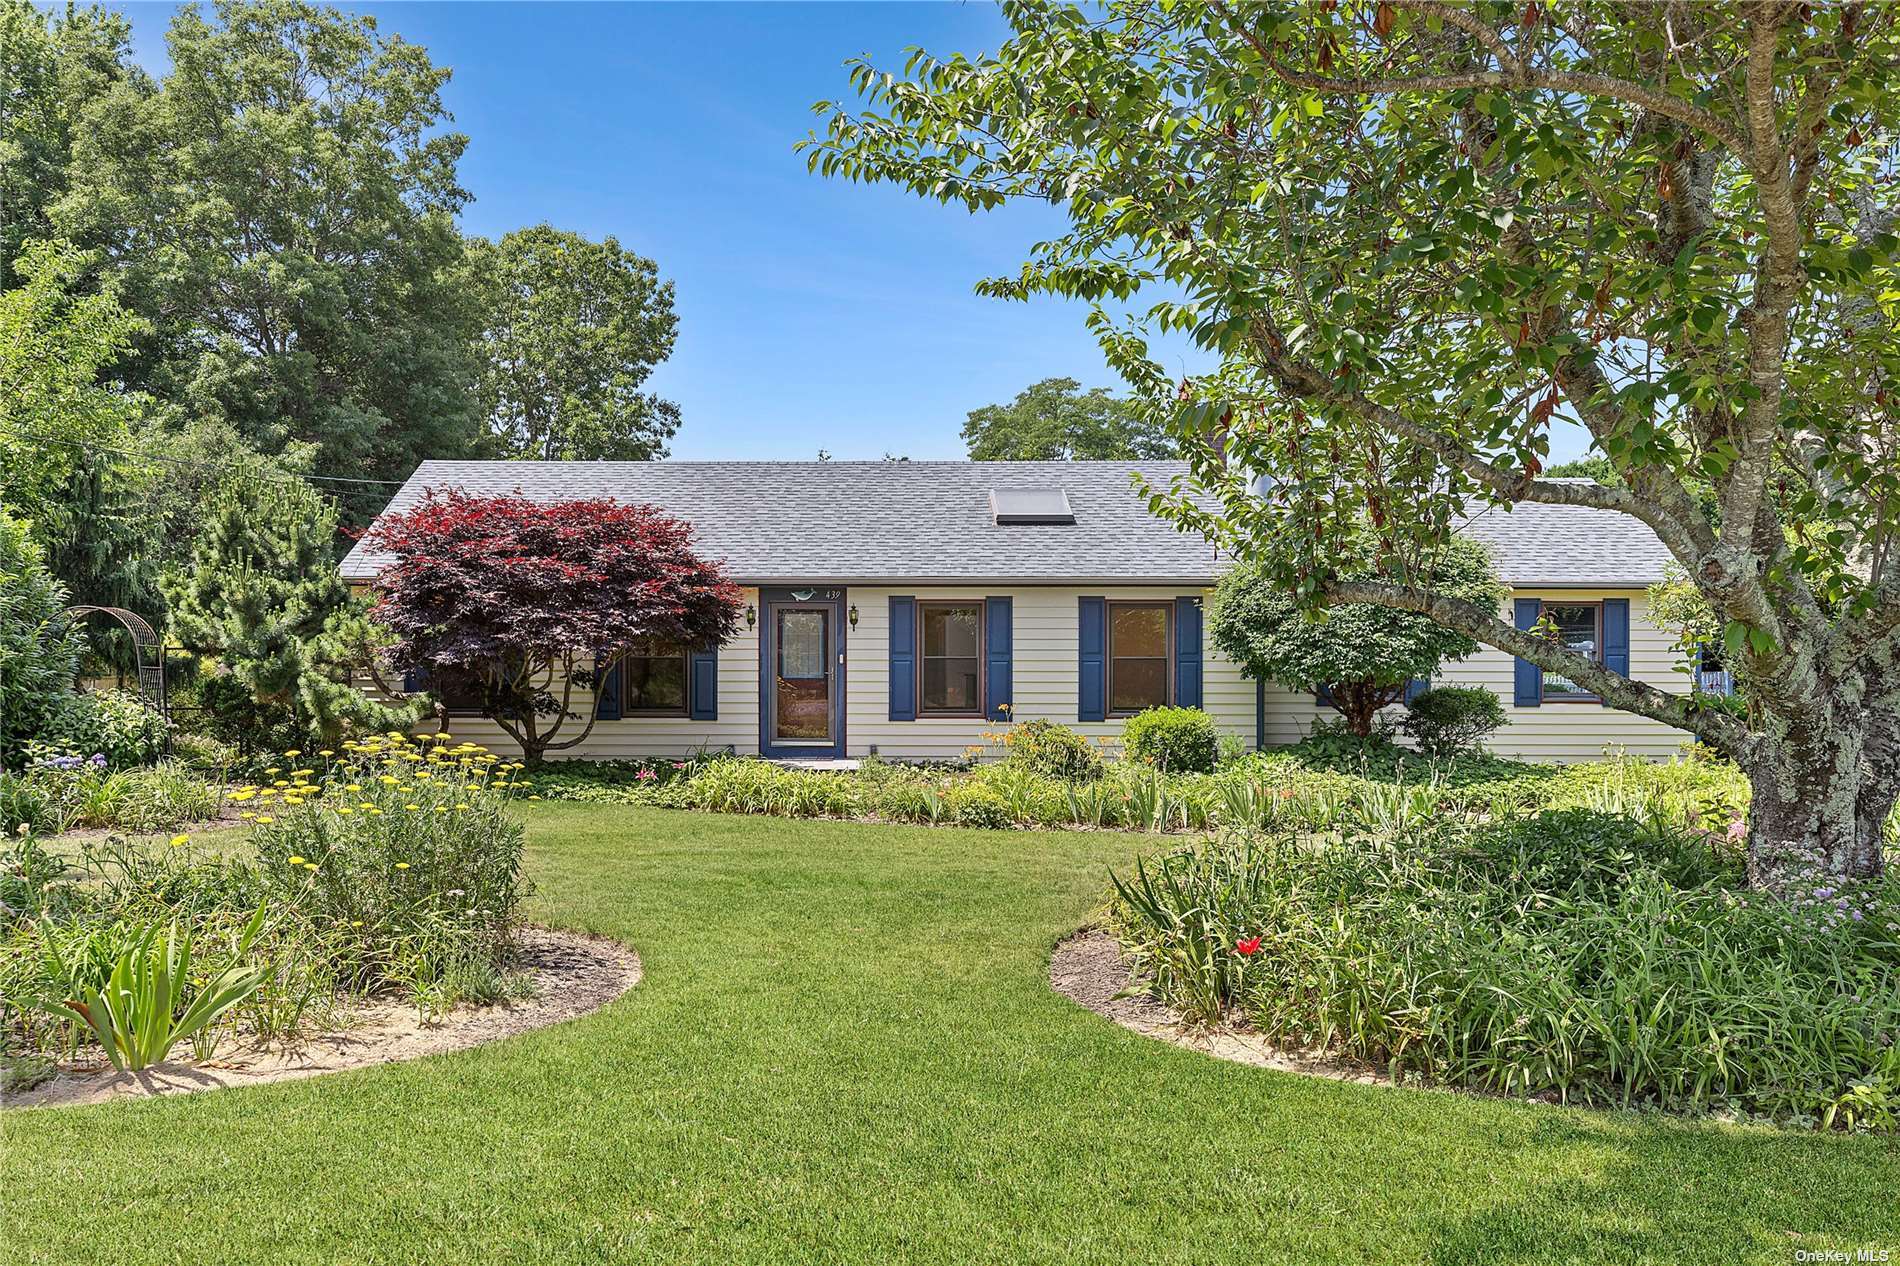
x=1679, y=711
x=1518, y=75
x=1511, y=485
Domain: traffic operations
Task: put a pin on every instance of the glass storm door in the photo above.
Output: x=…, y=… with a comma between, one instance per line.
x=802, y=711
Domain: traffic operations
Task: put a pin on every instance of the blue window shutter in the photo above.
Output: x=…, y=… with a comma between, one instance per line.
x=998, y=655
x=1616, y=635
x=1323, y=696
x=1528, y=682
x=1260, y=715
x=607, y=695
x=415, y=679
x=903, y=659
x=1187, y=652
x=1091, y=702
x=703, y=684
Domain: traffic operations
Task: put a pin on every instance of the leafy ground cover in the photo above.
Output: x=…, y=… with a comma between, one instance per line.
x=1576, y=955
x=1312, y=786
x=846, y=1049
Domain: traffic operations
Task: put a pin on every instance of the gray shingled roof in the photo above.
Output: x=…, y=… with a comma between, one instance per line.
x=773, y=522
x=869, y=522
x=1568, y=546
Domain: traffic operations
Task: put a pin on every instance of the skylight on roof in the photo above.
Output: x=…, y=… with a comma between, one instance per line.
x=1030, y=505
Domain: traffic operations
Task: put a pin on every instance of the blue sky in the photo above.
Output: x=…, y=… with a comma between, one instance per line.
x=813, y=313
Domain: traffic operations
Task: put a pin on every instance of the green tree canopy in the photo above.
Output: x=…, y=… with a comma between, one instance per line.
x=1419, y=234
x=282, y=207
x=1363, y=655
x=53, y=65
x=65, y=463
x=39, y=648
x=571, y=331
x=1055, y=420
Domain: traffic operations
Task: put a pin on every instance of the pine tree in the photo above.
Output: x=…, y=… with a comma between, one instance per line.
x=262, y=598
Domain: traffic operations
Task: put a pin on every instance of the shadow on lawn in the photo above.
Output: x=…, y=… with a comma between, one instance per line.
x=1661, y=1189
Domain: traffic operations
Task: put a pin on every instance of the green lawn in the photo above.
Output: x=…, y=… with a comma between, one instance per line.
x=845, y=1049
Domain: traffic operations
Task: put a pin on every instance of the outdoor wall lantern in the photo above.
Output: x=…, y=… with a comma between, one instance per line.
x=751, y=616
x=852, y=615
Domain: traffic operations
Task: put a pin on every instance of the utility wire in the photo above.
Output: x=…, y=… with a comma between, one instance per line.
x=92, y=446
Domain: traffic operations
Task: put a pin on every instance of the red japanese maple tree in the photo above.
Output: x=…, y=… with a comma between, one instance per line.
x=517, y=602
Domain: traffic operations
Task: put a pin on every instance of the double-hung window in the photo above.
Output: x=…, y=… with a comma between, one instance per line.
x=653, y=678
x=1577, y=626
x=950, y=658
x=1140, y=656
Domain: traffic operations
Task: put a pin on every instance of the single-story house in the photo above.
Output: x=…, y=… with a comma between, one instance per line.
x=897, y=607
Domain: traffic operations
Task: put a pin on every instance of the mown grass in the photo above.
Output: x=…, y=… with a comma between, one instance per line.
x=846, y=1049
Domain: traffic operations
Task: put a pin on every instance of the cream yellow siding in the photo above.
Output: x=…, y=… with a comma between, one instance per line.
x=1044, y=669
x=1047, y=625
x=1554, y=732
x=737, y=726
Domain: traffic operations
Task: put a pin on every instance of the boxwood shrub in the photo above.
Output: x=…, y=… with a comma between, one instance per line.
x=1173, y=740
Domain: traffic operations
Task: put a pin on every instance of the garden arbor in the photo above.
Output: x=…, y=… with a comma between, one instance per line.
x=148, y=652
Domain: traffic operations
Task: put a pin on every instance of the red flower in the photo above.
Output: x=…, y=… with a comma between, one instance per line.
x=1247, y=946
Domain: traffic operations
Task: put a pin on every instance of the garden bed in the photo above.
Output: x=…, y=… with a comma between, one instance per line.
x=1088, y=969
x=571, y=974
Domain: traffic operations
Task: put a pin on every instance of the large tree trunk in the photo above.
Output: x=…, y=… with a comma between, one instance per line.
x=1821, y=796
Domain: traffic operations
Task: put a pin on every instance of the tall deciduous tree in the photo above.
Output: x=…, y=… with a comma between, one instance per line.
x=52, y=67
x=261, y=597
x=1055, y=420
x=1419, y=233
x=66, y=465
x=1363, y=656
x=520, y=602
x=570, y=332
x=282, y=208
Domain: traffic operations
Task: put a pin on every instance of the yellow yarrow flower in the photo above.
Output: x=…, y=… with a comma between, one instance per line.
x=265, y=819
x=293, y=752
x=296, y=859
x=180, y=840
x=402, y=865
